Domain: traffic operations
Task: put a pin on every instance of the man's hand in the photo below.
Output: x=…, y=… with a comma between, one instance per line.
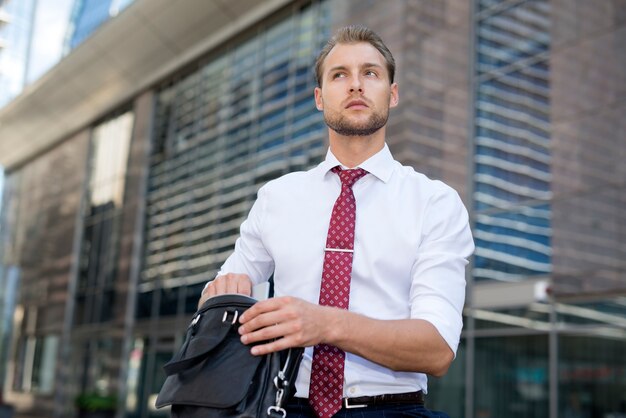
x=229, y=283
x=410, y=345
x=291, y=321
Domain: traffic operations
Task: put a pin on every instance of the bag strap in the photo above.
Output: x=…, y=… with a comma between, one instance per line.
x=284, y=381
x=174, y=367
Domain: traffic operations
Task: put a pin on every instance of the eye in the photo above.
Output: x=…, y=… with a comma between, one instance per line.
x=338, y=75
x=371, y=73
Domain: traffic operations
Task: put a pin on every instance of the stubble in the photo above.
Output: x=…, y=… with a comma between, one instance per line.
x=344, y=126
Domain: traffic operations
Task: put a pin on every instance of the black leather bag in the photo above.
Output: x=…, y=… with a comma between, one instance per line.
x=214, y=375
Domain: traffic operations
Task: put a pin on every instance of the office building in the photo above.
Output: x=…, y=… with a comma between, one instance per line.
x=131, y=166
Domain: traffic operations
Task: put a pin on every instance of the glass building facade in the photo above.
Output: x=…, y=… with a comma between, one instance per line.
x=35, y=35
x=535, y=343
x=108, y=236
x=222, y=130
x=39, y=217
x=95, y=292
x=512, y=174
x=88, y=15
x=242, y=116
x=16, y=27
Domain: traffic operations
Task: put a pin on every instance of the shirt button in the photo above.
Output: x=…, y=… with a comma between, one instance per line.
x=352, y=391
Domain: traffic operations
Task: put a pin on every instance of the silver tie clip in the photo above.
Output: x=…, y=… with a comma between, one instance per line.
x=338, y=250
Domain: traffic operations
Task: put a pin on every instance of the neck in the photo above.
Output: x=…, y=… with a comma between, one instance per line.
x=353, y=150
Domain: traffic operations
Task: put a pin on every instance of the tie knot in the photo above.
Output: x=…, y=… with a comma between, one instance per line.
x=349, y=177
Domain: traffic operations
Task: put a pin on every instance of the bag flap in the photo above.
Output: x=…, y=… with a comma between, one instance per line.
x=198, y=344
x=213, y=368
x=209, y=326
x=203, y=343
x=220, y=381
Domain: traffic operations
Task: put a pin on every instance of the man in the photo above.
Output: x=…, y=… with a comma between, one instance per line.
x=372, y=282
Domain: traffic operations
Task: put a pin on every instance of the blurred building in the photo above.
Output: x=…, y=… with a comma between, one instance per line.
x=16, y=27
x=35, y=35
x=131, y=165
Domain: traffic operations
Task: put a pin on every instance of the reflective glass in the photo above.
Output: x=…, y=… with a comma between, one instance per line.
x=512, y=172
x=16, y=27
x=244, y=117
x=592, y=376
x=37, y=226
x=88, y=15
x=110, y=145
x=511, y=377
x=514, y=33
x=512, y=242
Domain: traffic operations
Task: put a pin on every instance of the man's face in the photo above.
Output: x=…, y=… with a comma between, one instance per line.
x=356, y=94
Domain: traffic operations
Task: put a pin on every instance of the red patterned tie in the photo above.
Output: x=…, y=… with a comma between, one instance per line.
x=326, y=387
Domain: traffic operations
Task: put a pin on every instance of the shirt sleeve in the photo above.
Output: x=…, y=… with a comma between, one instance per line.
x=438, y=276
x=250, y=255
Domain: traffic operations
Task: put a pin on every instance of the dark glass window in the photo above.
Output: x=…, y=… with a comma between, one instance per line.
x=518, y=368
x=592, y=384
x=95, y=292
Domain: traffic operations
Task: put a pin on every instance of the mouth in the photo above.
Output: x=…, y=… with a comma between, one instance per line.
x=356, y=104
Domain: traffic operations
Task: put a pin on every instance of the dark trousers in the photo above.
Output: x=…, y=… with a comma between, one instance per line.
x=300, y=410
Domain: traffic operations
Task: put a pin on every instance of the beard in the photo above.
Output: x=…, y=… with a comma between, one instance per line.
x=344, y=126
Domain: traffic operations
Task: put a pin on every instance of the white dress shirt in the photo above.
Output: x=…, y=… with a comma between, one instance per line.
x=412, y=239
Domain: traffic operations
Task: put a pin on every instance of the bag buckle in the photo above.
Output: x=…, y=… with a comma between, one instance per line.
x=279, y=383
x=235, y=316
x=279, y=400
x=194, y=323
x=348, y=405
x=276, y=409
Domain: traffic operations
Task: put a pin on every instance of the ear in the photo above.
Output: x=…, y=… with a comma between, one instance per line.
x=319, y=103
x=394, y=99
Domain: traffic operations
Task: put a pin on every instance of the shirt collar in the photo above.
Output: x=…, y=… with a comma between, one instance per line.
x=380, y=164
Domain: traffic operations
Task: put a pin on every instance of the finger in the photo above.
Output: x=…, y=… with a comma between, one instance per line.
x=265, y=334
x=209, y=291
x=244, y=286
x=231, y=285
x=234, y=283
x=202, y=299
x=263, y=320
x=271, y=347
x=261, y=307
x=219, y=285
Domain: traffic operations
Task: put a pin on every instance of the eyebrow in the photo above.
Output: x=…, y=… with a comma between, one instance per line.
x=364, y=65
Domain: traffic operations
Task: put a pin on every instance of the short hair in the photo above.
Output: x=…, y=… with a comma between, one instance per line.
x=350, y=35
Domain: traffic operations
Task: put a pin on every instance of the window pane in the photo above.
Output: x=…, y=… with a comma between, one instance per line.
x=511, y=377
x=110, y=147
x=592, y=378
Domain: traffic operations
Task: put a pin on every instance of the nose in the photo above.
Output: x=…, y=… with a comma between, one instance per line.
x=356, y=85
